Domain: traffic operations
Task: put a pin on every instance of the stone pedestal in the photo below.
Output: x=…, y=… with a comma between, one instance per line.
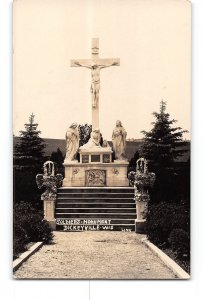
x=140, y=222
x=95, y=154
x=140, y=226
x=96, y=174
x=49, y=212
x=95, y=169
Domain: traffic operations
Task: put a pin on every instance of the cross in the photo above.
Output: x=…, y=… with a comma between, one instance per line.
x=95, y=64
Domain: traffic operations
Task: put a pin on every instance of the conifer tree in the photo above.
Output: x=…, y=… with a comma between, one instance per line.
x=84, y=133
x=58, y=158
x=29, y=151
x=28, y=161
x=132, y=163
x=161, y=147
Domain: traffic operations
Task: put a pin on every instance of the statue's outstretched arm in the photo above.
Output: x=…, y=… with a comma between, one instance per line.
x=82, y=65
x=114, y=63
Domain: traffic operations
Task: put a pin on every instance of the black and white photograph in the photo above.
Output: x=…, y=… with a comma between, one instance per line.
x=101, y=139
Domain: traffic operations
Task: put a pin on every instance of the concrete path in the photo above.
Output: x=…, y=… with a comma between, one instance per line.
x=95, y=255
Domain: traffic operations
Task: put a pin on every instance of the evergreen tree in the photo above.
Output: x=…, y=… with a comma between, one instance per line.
x=161, y=148
x=28, y=161
x=84, y=133
x=132, y=163
x=28, y=152
x=58, y=158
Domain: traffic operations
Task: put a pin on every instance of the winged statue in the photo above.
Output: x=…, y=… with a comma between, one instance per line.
x=49, y=181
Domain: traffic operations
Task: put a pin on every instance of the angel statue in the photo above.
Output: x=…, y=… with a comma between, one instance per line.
x=49, y=181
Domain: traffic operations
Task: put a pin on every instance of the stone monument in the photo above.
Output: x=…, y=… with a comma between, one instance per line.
x=119, y=141
x=51, y=183
x=95, y=64
x=72, y=143
x=142, y=179
x=95, y=167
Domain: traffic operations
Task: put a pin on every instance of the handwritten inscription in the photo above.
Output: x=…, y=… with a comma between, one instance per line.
x=87, y=227
x=126, y=229
x=83, y=221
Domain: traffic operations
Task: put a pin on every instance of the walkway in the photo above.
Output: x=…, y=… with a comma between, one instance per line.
x=95, y=255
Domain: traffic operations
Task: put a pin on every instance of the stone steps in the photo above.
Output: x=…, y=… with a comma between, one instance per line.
x=88, y=215
x=94, y=205
x=94, y=195
x=79, y=209
x=99, y=199
x=99, y=210
x=95, y=190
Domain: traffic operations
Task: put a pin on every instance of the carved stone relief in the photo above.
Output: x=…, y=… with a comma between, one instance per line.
x=95, y=178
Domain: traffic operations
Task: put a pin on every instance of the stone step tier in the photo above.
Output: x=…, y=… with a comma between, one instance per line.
x=95, y=209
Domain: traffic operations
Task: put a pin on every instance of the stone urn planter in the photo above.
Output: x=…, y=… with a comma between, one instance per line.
x=50, y=182
x=141, y=180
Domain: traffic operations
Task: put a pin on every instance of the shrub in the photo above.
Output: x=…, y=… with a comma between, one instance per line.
x=29, y=226
x=162, y=218
x=20, y=240
x=179, y=241
x=37, y=229
x=25, y=188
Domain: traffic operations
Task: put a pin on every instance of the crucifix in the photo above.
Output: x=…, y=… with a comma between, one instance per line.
x=95, y=64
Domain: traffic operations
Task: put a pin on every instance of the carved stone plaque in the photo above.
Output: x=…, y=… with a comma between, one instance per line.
x=95, y=158
x=85, y=159
x=106, y=158
x=95, y=178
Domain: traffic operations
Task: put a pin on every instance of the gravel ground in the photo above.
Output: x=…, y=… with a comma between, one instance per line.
x=95, y=255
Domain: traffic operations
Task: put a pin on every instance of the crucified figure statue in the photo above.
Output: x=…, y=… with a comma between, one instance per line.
x=95, y=77
x=95, y=64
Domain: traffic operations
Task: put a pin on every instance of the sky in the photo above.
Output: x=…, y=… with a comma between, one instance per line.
x=151, y=38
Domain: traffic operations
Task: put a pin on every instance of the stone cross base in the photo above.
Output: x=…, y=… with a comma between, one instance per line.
x=96, y=174
x=49, y=212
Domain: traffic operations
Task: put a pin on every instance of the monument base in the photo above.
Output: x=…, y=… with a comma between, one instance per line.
x=140, y=226
x=52, y=224
x=96, y=174
x=49, y=212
